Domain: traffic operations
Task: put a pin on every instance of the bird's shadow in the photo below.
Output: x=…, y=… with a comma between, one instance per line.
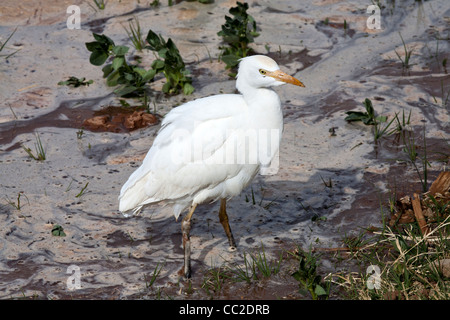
x=328, y=206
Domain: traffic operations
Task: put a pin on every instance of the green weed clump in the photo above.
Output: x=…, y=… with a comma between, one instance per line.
x=135, y=34
x=406, y=60
x=410, y=265
x=171, y=64
x=132, y=79
x=237, y=33
x=100, y=4
x=40, y=151
x=75, y=82
x=308, y=278
x=369, y=118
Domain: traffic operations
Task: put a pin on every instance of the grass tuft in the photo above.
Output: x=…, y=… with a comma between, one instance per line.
x=39, y=149
x=407, y=57
x=135, y=34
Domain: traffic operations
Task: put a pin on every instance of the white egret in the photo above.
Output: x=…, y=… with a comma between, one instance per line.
x=197, y=155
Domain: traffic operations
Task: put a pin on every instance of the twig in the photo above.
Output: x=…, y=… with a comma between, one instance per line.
x=336, y=249
x=419, y=215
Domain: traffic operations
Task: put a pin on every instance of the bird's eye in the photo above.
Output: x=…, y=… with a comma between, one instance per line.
x=263, y=72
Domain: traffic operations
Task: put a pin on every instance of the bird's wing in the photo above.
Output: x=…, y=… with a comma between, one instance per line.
x=190, y=136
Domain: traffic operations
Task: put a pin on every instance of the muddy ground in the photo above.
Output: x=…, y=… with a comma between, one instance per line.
x=334, y=178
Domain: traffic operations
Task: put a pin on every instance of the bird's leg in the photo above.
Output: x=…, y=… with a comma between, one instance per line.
x=223, y=217
x=186, y=229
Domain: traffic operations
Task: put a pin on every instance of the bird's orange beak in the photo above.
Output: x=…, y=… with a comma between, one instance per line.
x=281, y=76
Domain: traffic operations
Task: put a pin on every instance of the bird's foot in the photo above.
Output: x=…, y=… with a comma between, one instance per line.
x=232, y=243
x=184, y=273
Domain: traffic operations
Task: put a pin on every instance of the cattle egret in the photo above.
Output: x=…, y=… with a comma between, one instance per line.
x=211, y=148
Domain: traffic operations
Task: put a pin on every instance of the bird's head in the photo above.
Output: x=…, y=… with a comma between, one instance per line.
x=261, y=72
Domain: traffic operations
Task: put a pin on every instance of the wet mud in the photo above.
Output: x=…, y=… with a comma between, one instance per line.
x=334, y=177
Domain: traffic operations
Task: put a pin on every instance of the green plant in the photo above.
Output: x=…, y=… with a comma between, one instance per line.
x=444, y=97
x=408, y=261
x=83, y=190
x=3, y=44
x=408, y=265
x=154, y=3
x=171, y=65
x=18, y=206
x=39, y=148
x=256, y=266
x=237, y=33
x=369, y=118
x=263, y=266
x=253, y=197
x=132, y=79
x=135, y=35
x=328, y=184
x=404, y=123
x=58, y=231
x=246, y=272
x=80, y=133
x=410, y=149
x=149, y=283
x=100, y=4
x=214, y=279
x=406, y=60
x=75, y=82
x=308, y=278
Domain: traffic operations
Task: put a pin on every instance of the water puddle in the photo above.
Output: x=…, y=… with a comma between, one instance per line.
x=81, y=115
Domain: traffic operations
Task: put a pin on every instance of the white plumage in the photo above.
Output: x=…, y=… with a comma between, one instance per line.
x=212, y=148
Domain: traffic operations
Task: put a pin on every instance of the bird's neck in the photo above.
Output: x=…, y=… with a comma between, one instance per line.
x=264, y=109
x=261, y=98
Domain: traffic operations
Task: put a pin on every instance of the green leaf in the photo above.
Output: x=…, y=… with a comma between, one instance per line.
x=320, y=291
x=118, y=62
x=75, y=82
x=356, y=116
x=120, y=50
x=158, y=64
x=107, y=70
x=298, y=276
x=124, y=90
x=155, y=42
x=98, y=58
x=188, y=89
x=149, y=75
x=369, y=107
x=94, y=46
x=113, y=78
x=381, y=118
x=230, y=60
x=139, y=71
x=129, y=77
x=166, y=87
x=103, y=39
x=58, y=231
x=124, y=103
